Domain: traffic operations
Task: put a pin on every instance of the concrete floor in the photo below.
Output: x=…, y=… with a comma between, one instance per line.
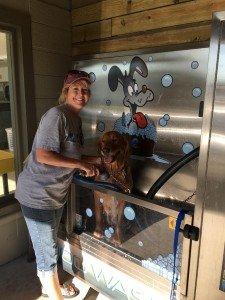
x=18, y=281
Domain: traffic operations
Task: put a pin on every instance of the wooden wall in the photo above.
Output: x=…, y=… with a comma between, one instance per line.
x=51, y=46
x=100, y=26
x=51, y=39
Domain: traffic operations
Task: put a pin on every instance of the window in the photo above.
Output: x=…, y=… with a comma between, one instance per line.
x=17, y=108
x=7, y=171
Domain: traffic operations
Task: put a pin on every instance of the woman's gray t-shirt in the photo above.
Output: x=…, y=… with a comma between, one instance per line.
x=43, y=186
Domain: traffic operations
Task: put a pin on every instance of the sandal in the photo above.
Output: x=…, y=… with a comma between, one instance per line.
x=68, y=291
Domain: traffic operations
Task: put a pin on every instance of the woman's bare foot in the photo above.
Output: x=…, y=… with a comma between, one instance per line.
x=68, y=290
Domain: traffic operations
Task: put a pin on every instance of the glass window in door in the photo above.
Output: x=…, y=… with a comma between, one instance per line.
x=7, y=173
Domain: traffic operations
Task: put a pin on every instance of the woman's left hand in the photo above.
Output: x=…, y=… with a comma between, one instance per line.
x=90, y=170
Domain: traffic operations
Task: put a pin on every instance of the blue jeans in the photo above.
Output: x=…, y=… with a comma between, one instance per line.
x=43, y=228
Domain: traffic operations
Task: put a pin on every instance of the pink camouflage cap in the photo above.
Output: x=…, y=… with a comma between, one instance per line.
x=75, y=75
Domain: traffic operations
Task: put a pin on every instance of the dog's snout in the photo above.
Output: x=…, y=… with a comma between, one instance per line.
x=105, y=150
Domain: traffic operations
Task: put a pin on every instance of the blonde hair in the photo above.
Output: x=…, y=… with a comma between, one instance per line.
x=64, y=92
x=63, y=95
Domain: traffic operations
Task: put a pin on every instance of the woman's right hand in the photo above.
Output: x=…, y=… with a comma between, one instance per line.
x=89, y=169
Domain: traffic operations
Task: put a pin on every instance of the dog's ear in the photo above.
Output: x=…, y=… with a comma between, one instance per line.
x=99, y=144
x=114, y=77
x=139, y=66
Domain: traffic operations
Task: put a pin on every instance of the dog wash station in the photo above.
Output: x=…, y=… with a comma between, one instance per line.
x=169, y=103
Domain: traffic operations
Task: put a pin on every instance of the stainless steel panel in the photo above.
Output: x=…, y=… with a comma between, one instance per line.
x=146, y=241
x=188, y=70
x=173, y=113
x=179, y=187
x=120, y=263
x=210, y=205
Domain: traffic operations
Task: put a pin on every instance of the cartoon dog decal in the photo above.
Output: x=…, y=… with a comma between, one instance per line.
x=138, y=127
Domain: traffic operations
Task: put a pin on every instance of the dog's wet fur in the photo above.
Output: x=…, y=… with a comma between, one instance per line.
x=115, y=152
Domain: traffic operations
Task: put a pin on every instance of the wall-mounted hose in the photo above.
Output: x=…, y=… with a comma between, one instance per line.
x=171, y=171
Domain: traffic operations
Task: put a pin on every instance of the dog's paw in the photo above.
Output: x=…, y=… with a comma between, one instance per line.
x=98, y=232
x=117, y=238
x=116, y=241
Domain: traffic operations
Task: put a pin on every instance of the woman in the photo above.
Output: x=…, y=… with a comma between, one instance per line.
x=44, y=182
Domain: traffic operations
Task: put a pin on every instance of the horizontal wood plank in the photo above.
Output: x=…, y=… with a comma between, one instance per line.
x=81, y=3
x=146, y=40
x=21, y=5
x=113, y=8
x=93, y=31
x=50, y=15
x=181, y=14
x=46, y=63
x=50, y=39
x=218, y=5
x=65, y=4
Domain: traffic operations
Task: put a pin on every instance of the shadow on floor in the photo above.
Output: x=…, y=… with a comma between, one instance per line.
x=18, y=281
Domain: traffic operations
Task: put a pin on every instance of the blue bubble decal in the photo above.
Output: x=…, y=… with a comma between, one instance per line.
x=108, y=234
x=104, y=67
x=166, y=117
x=149, y=132
x=196, y=92
x=194, y=64
x=134, y=143
x=111, y=230
x=163, y=265
x=101, y=126
x=187, y=147
x=92, y=77
x=167, y=80
x=162, y=122
x=129, y=213
x=89, y=212
x=108, y=102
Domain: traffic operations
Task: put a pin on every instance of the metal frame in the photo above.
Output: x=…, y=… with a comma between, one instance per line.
x=165, y=206
x=206, y=260
x=141, y=51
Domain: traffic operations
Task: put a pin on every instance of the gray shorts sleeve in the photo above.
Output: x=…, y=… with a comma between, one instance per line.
x=51, y=132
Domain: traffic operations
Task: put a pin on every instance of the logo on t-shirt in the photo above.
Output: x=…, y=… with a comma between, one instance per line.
x=75, y=138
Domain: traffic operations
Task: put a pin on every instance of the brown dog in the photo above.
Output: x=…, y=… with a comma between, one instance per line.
x=114, y=150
